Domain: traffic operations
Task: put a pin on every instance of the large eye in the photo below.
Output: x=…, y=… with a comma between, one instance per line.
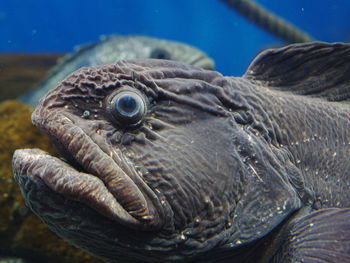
x=160, y=53
x=128, y=107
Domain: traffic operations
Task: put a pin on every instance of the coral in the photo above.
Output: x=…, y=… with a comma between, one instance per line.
x=21, y=232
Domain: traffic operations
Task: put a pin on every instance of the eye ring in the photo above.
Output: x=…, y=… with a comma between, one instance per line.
x=128, y=107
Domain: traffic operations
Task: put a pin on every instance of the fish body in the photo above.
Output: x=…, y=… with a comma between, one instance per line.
x=164, y=162
x=113, y=48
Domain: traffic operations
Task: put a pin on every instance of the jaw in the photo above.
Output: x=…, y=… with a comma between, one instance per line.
x=106, y=183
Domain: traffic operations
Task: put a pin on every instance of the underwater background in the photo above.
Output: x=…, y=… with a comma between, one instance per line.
x=57, y=27
x=232, y=41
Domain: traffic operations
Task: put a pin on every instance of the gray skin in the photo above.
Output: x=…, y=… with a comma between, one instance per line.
x=208, y=169
x=113, y=48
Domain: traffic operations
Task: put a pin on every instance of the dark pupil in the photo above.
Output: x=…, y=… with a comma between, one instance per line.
x=127, y=105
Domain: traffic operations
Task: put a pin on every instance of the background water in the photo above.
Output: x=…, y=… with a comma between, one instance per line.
x=57, y=25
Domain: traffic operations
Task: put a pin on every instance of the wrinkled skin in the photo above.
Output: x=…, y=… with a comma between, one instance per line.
x=113, y=48
x=211, y=169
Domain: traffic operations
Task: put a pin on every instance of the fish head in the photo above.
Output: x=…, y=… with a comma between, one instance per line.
x=160, y=161
x=113, y=48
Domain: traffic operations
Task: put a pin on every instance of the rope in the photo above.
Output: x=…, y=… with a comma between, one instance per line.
x=268, y=21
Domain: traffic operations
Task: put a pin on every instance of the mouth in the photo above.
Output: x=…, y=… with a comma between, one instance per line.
x=95, y=178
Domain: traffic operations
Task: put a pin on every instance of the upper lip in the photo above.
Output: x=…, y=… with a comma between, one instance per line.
x=138, y=201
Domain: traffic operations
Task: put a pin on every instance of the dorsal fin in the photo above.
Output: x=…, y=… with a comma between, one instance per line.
x=316, y=69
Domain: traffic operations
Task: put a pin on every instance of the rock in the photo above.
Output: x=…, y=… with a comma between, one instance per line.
x=21, y=232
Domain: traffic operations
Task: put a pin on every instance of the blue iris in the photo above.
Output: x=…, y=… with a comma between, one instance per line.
x=128, y=107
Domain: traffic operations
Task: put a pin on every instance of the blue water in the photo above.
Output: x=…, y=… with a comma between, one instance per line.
x=59, y=25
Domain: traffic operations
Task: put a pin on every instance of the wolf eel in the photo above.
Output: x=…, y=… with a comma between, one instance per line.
x=163, y=161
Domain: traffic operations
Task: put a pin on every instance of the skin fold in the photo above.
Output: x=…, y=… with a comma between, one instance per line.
x=208, y=169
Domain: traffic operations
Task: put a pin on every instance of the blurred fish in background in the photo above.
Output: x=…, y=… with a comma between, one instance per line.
x=112, y=48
